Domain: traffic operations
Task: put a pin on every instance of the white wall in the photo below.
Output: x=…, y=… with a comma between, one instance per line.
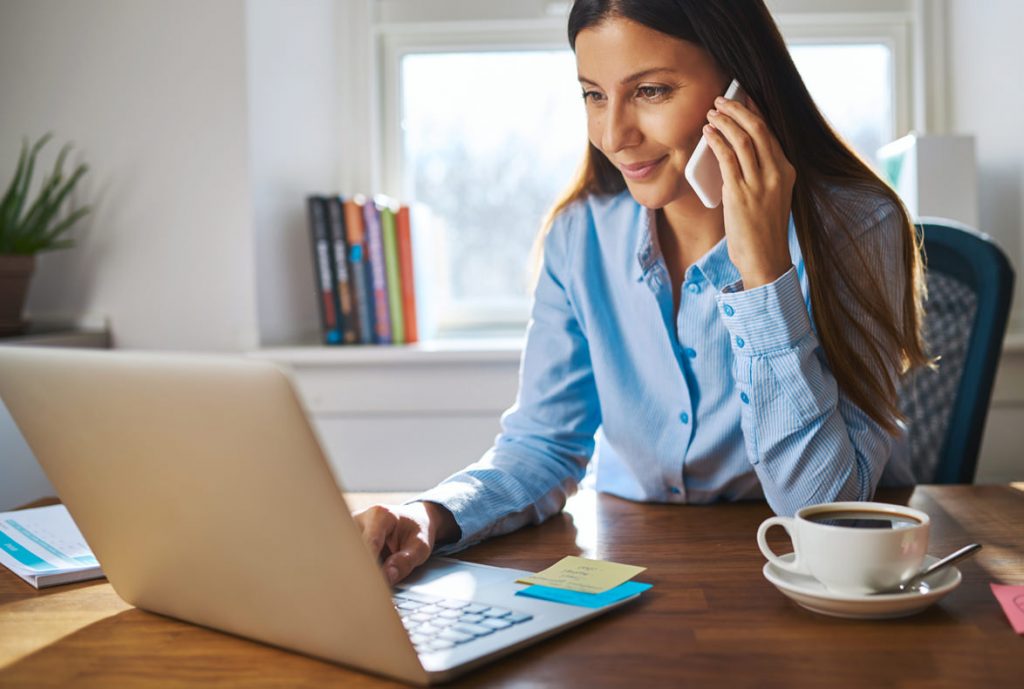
x=294, y=145
x=986, y=99
x=21, y=478
x=153, y=94
x=205, y=124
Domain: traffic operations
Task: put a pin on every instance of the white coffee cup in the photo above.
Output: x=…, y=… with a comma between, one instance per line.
x=847, y=546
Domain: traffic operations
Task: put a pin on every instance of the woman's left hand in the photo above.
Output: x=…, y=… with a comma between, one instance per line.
x=757, y=191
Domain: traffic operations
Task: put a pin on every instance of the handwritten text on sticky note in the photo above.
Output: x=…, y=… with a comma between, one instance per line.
x=583, y=575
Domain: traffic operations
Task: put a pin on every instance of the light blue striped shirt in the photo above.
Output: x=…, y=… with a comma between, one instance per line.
x=730, y=398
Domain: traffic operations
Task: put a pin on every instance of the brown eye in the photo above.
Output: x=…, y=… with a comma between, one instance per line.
x=652, y=92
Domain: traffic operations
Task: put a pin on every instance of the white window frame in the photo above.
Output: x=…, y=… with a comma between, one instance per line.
x=913, y=34
x=891, y=29
x=395, y=42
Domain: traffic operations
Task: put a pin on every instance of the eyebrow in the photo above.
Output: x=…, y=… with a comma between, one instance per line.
x=631, y=77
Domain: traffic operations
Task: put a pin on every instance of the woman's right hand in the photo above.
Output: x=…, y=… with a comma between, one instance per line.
x=403, y=536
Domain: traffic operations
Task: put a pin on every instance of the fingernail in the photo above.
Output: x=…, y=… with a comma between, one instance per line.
x=392, y=574
x=712, y=113
x=708, y=129
x=719, y=101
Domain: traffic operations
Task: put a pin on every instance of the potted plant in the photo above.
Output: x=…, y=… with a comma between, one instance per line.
x=28, y=227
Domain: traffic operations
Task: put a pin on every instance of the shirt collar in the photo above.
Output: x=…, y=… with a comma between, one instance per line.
x=647, y=249
x=715, y=266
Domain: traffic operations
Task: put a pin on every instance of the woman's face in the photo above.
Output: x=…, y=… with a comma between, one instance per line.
x=647, y=97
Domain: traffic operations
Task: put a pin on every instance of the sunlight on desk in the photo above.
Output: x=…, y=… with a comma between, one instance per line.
x=583, y=508
x=711, y=607
x=32, y=624
x=360, y=501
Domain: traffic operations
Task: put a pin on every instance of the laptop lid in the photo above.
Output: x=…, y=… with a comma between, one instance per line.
x=149, y=451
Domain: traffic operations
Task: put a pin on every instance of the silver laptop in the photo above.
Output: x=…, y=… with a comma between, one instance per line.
x=204, y=493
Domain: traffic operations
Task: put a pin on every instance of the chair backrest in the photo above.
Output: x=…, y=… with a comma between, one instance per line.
x=970, y=287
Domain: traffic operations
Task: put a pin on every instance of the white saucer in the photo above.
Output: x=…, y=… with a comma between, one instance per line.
x=809, y=593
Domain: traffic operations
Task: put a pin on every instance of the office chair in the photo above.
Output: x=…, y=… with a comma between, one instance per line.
x=970, y=286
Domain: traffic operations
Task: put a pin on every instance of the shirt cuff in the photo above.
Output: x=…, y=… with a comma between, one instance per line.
x=767, y=318
x=457, y=498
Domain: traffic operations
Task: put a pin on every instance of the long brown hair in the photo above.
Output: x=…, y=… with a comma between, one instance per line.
x=743, y=38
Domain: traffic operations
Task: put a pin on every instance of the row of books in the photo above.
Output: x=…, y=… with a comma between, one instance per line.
x=362, y=254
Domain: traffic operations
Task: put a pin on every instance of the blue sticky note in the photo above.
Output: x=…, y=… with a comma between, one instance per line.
x=586, y=600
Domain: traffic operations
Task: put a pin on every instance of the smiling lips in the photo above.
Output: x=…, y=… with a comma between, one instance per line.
x=639, y=171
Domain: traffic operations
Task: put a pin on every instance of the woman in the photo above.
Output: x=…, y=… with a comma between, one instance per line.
x=744, y=351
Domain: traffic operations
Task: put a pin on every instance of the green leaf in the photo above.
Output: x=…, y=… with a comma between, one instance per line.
x=49, y=240
x=10, y=196
x=49, y=210
x=27, y=180
x=39, y=228
x=44, y=201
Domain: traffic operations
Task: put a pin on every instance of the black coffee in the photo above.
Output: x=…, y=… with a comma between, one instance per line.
x=863, y=520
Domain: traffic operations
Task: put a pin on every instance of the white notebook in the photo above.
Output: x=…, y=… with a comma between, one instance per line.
x=44, y=547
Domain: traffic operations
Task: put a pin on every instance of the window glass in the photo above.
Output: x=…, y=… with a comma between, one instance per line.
x=490, y=140
x=852, y=85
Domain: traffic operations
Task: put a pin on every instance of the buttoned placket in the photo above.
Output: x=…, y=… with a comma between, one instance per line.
x=656, y=276
x=690, y=297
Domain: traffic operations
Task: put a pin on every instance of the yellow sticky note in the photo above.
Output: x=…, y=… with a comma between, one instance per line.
x=583, y=575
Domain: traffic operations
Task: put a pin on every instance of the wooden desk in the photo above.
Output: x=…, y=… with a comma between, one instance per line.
x=711, y=619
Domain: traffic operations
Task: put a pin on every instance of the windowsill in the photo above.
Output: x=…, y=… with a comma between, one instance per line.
x=60, y=335
x=489, y=350
x=460, y=350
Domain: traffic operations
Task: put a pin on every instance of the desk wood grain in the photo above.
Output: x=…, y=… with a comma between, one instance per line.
x=710, y=620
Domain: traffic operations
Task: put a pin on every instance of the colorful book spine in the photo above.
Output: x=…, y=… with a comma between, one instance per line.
x=408, y=279
x=339, y=259
x=326, y=296
x=359, y=269
x=378, y=271
x=387, y=230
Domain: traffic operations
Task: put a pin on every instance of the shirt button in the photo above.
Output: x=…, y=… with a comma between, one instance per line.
x=693, y=288
x=728, y=310
x=740, y=342
x=674, y=490
x=744, y=398
x=684, y=417
x=690, y=352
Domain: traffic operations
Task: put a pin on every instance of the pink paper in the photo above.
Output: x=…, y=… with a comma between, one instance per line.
x=1012, y=600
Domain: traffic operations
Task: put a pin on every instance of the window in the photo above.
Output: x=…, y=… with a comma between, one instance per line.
x=852, y=85
x=488, y=141
x=487, y=127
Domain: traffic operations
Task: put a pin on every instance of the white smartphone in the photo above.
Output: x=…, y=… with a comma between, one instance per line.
x=702, y=171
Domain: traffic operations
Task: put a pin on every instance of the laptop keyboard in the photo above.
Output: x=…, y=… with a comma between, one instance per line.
x=436, y=624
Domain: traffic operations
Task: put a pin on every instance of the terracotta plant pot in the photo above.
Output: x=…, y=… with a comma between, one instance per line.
x=15, y=273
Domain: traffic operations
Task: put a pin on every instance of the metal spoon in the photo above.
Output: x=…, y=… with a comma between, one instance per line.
x=913, y=581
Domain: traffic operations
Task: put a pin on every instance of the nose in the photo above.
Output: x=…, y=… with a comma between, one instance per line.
x=620, y=130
